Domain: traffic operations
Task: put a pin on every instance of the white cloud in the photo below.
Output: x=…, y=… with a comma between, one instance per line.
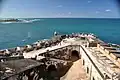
x=107, y=10
x=97, y=12
x=69, y=13
x=89, y=1
x=60, y=6
x=60, y=14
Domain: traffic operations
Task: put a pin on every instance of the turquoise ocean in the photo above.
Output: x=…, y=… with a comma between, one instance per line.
x=31, y=30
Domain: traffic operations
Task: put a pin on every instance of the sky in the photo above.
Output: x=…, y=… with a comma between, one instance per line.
x=59, y=9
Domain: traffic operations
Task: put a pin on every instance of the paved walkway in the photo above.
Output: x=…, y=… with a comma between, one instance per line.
x=64, y=43
x=32, y=54
x=76, y=72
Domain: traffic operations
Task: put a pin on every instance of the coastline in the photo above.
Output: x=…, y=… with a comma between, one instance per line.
x=48, y=42
x=59, y=52
x=107, y=30
x=10, y=20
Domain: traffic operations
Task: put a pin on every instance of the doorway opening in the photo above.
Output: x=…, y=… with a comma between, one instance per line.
x=75, y=55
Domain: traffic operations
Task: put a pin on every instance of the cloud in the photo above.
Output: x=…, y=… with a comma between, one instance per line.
x=60, y=14
x=97, y=12
x=69, y=13
x=60, y=6
x=107, y=10
x=89, y=1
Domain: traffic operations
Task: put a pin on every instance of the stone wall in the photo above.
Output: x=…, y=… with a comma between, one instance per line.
x=89, y=66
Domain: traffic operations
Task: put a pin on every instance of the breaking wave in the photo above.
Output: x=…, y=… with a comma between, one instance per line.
x=29, y=21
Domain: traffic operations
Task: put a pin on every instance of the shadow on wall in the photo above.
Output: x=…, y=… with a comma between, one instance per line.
x=75, y=55
x=52, y=73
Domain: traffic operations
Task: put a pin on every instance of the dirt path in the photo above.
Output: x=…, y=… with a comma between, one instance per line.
x=76, y=72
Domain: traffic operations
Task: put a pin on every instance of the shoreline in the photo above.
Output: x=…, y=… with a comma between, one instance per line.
x=61, y=52
x=46, y=42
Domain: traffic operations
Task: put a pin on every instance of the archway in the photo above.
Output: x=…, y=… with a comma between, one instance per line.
x=51, y=68
x=75, y=55
x=52, y=73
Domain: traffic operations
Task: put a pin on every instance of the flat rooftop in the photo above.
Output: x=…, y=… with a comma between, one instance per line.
x=13, y=67
x=103, y=63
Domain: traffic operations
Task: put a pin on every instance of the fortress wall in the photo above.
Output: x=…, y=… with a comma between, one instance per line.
x=91, y=70
x=110, y=56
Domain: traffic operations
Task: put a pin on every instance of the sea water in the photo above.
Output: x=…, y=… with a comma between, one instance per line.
x=31, y=30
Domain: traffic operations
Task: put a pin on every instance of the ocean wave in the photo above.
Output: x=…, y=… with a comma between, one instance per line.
x=6, y=22
x=22, y=21
x=30, y=21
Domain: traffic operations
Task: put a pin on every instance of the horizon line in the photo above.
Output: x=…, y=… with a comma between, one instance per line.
x=66, y=17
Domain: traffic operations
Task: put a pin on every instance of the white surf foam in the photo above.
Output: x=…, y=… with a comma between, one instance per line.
x=23, y=21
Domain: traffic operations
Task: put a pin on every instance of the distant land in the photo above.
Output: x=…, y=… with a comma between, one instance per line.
x=10, y=20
